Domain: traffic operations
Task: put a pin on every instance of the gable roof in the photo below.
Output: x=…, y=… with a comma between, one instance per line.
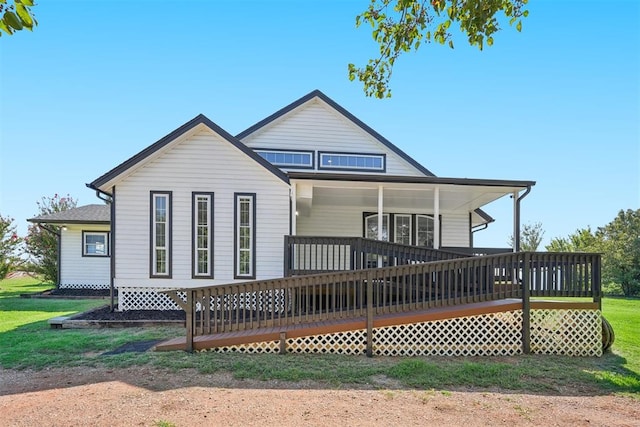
x=200, y=119
x=353, y=119
x=88, y=214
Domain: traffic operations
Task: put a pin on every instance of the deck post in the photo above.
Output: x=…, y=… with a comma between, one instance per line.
x=596, y=280
x=369, y=297
x=526, y=303
x=436, y=218
x=189, y=319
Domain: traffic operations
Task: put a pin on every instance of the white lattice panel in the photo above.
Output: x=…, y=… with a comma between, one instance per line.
x=349, y=342
x=569, y=332
x=253, y=348
x=94, y=286
x=137, y=298
x=258, y=300
x=484, y=335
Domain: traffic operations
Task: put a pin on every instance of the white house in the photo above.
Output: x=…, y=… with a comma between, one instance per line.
x=201, y=207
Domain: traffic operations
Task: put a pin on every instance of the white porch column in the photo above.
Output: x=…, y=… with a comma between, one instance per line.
x=294, y=209
x=436, y=218
x=380, y=222
x=516, y=223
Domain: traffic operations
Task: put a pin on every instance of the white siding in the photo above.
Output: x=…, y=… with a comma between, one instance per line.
x=204, y=162
x=79, y=271
x=455, y=229
x=317, y=127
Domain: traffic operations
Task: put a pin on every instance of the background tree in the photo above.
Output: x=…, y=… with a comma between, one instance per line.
x=530, y=237
x=42, y=244
x=401, y=26
x=10, y=244
x=16, y=16
x=583, y=240
x=620, y=241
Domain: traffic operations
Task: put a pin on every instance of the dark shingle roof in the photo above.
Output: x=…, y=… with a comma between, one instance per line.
x=89, y=214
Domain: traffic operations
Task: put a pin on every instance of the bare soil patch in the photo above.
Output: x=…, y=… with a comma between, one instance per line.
x=142, y=396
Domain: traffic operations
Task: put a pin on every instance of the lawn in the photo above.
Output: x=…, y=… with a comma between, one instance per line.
x=24, y=331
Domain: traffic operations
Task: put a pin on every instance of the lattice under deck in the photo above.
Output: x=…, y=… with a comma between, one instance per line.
x=570, y=332
x=137, y=298
x=94, y=286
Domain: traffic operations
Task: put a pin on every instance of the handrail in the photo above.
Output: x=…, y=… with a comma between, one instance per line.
x=376, y=291
x=313, y=254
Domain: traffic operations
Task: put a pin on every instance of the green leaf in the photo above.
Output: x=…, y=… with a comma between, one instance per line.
x=490, y=41
x=12, y=20
x=519, y=26
x=451, y=44
x=23, y=13
x=5, y=28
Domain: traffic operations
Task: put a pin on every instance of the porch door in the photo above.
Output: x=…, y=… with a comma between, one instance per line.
x=371, y=232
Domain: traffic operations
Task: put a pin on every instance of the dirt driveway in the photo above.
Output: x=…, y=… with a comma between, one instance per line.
x=142, y=396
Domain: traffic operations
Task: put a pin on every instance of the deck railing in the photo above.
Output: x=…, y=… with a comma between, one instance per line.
x=373, y=292
x=311, y=255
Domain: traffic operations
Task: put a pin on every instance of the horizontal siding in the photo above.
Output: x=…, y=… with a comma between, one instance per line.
x=317, y=127
x=81, y=270
x=206, y=163
x=455, y=230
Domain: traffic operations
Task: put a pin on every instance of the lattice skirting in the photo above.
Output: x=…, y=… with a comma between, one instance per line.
x=570, y=332
x=95, y=286
x=137, y=298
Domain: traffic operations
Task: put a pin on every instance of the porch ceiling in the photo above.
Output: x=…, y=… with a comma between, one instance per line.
x=415, y=193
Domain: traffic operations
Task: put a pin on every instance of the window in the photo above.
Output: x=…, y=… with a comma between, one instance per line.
x=245, y=235
x=160, y=234
x=402, y=230
x=424, y=231
x=288, y=159
x=352, y=161
x=371, y=227
x=95, y=243
x=202, y=206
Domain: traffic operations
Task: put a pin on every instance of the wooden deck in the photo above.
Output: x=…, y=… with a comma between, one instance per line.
x=279, y=333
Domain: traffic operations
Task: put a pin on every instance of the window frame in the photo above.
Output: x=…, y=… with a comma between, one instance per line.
x=194, y=235
x=391, y=230
x=415, y=236
x=236, y=236
x=153, y=273
x=311, y=154
x=106, y=243
x=381, y=156
x=395, y=231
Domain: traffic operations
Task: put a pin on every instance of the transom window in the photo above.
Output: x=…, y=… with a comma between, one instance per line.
x=291, y=159
x=95, y=243
x=352, y=161
x=202, y=235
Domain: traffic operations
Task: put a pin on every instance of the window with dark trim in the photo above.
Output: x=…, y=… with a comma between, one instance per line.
x=160, y=241
x=245, y=235
x=352, y=161
x=407, y=229
x=291, y=159
x=95, y=243
x=202, y=236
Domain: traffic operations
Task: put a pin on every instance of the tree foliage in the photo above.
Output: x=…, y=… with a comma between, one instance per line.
x=619, y=243
x=401, y=26
x=530, y=237
x=42, y=243
x=10, y=245
x=16, y=16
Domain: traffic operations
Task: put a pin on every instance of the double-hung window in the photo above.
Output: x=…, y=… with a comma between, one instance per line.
x=95, y=243
x=202, y=255
x=160, y=257
x=245, y=235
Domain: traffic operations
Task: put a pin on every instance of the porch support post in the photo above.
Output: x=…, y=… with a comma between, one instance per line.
x=436, y=218
x=380, y=222
x=516, y=222
x=294, y=209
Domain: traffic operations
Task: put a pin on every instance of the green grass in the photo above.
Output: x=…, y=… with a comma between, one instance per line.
x=26, y=341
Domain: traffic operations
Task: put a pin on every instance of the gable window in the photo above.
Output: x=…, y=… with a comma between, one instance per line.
x=245, y=235
x=160, y=234
x=202, y=205
x=289, y=159
x=352, y=161
x=95, y=243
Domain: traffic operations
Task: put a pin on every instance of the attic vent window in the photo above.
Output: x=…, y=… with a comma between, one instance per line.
x=353, y=161
x=288, y=159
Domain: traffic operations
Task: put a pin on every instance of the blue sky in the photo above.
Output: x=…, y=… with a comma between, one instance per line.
x=559, y=103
